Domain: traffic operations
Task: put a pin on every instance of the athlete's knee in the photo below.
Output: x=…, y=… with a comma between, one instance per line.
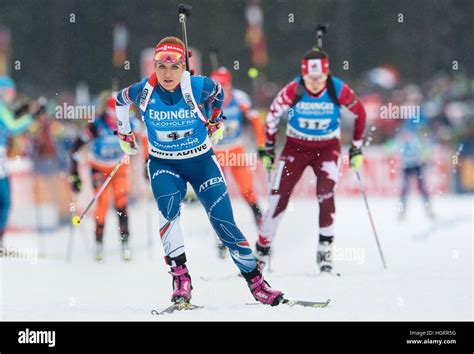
x=100, y=217
x=101, y=208
x=325, y=186
x=327, y=204
x=121, y=200
x=281, y=204
x=170, y=204
x=100, y=214
x=169, y=189
x=98, y=179
x=250, y=197
x=247, y=194
x=325, y=196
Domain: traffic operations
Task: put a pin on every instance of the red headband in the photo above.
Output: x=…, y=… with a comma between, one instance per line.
x=314, y=66
x=169, y=52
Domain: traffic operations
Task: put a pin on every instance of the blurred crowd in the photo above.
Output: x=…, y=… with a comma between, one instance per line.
x=446, y=104
x=446, y=111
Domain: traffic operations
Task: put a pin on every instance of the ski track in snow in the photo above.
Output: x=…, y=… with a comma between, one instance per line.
x=429, y=276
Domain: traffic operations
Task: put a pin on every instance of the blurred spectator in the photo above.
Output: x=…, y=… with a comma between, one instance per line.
x=446, y=102
x=414, y=151
x=51, y=187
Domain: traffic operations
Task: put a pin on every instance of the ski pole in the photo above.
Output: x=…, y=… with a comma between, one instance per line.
x=320, y=30
x=149, y=224
x=38, y=214
x=185, y=12
x=72, y=236
x=70, y=243
x=76, y=220
x=370, y=217
x=269, y=176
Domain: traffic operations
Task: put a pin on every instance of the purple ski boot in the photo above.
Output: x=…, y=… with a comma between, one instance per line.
x=261, y=290
x=181, y=284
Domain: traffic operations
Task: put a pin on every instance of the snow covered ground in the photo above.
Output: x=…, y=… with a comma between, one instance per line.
x=429, y=276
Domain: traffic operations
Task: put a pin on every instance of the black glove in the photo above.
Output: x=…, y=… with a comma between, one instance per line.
x=76, y=183
x=25, y=107
x=22, y=108
x=41, y=110
x=74, y=179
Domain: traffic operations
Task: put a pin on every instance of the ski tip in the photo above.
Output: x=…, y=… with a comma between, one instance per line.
x=180, y=306
x=328, y=273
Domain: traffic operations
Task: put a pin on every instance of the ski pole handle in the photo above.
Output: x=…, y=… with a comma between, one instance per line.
x=320, y=30
x=184, y=12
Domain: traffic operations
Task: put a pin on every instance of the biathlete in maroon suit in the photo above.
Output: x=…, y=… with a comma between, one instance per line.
x=313, y=102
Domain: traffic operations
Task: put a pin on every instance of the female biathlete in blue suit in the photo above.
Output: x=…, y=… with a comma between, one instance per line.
x=175, y=107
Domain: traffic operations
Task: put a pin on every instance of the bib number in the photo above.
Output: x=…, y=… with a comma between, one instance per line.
x=173, y=136
x=231, y=128
x=314, y=124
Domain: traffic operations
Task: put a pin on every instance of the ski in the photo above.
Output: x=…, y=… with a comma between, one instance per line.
x=177, y=307
x=186, y=306
x=292, y=302
x=313, y=304
x=329, y=273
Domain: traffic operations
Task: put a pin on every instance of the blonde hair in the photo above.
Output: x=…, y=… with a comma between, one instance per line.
x=172, y=40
